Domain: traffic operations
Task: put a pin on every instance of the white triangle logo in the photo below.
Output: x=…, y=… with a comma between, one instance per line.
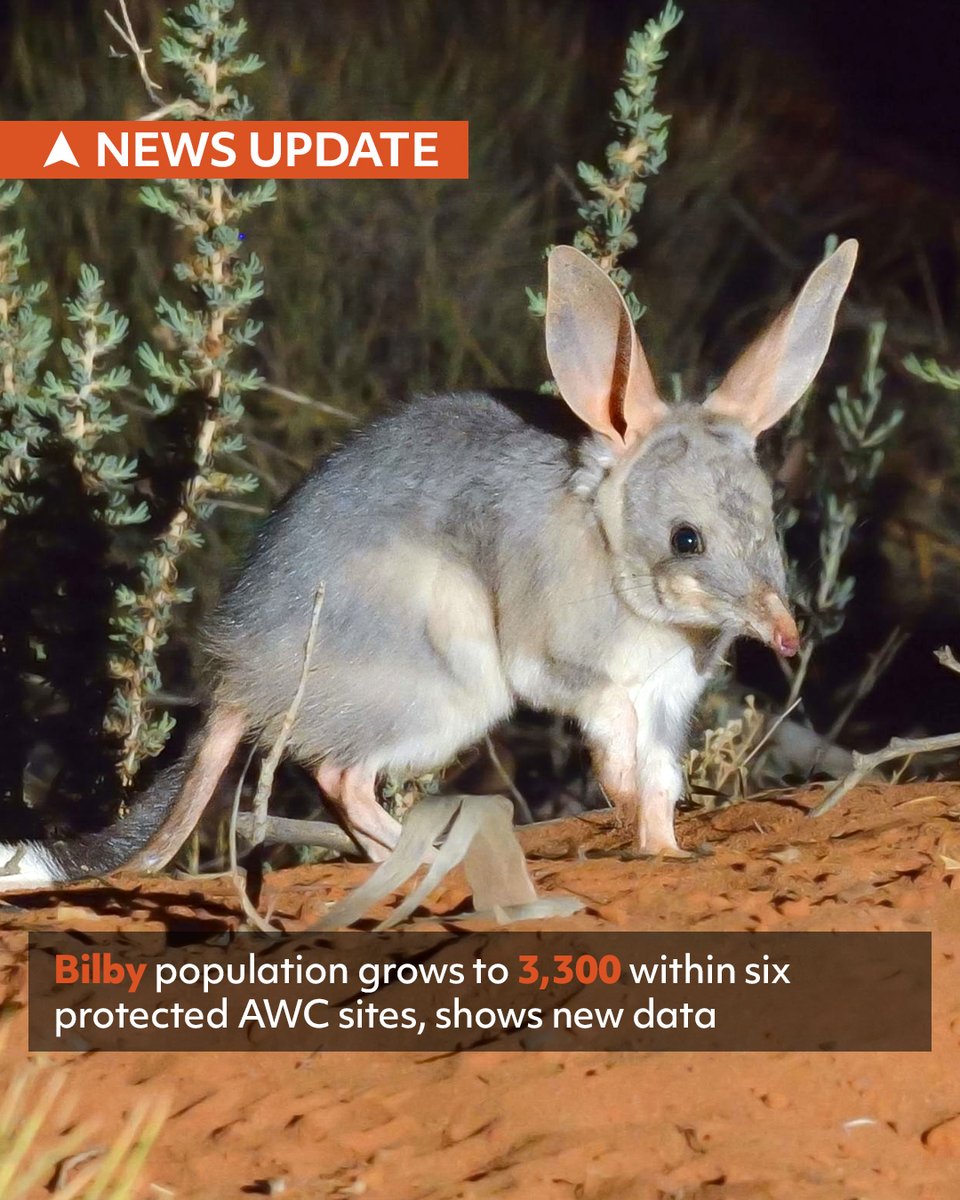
x=61, y=152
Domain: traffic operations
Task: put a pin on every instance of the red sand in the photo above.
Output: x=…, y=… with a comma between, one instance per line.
x=576, y=1127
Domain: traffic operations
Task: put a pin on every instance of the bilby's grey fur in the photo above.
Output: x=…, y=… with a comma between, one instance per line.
x=485, y=548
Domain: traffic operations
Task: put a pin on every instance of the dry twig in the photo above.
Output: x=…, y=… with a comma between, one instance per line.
x=272, y=761
x=129, y=39
x=946, y=658
x=237, y=875
x=523, y=808
x=868, y=680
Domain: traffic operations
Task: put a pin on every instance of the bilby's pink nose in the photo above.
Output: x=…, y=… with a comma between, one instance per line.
x=786, y=638
x=779, y=630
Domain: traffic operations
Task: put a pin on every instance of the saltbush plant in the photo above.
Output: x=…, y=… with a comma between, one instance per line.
x=58, y=438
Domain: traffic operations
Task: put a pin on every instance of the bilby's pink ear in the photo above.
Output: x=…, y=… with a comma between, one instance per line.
x=773, y=373
x=594, y=353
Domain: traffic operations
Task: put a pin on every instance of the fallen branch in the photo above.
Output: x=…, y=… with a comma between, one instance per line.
x=864, y=764
x=287, y=831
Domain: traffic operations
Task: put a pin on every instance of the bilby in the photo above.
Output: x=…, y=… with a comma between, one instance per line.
x=592, y=554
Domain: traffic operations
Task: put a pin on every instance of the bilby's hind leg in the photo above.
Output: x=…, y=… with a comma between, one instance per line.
x=353, y=793
x=225, y=727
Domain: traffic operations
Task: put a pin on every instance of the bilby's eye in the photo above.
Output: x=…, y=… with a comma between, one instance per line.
x=685, y=540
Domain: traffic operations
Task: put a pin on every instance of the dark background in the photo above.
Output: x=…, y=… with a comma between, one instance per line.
x=885, y=71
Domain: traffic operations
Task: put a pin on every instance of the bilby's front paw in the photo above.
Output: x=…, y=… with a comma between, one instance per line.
x=663, y=849
x=656, y=838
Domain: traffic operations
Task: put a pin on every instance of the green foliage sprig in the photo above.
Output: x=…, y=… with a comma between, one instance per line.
x=205, y=341
x=930, y=371
x=639, y=151
x=203, y=46
x=862, y=427
x=24, y=340
x=81, y=407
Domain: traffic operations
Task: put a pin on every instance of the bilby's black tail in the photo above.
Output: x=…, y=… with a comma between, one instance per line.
x=159, y=821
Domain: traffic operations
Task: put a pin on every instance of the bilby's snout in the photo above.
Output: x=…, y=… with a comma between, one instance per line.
x=771, y=621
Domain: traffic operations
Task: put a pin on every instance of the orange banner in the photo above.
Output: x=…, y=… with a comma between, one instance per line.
x=234, y=149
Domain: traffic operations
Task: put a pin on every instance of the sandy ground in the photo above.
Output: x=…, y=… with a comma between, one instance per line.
x=572, y=1126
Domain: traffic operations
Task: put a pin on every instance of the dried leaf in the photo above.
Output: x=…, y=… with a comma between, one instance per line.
x=479, y=833
x=915, y=800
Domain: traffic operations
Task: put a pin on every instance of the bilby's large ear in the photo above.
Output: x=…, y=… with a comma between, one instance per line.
x=594, y=353
x=773, y=373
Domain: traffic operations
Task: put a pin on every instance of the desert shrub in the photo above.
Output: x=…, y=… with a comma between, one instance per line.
x=58, y=475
